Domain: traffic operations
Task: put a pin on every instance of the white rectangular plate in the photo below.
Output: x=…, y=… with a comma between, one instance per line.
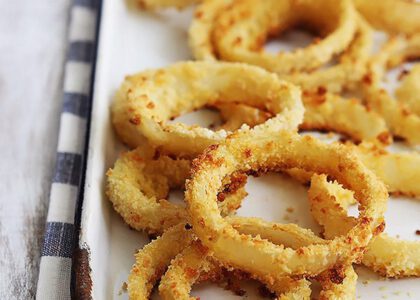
x=131, y=41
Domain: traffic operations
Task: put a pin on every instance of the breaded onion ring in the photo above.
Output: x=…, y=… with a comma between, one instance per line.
x=323, y=111
x=399, y=171
x=330, y=112
x=395, y=16
x=402, y=122
x=347, y=73
x=147, y=100
x=185, y=269
x=139, y=184
x=242, y=28
x=245, y=152
x=386, y=255
x=408, y=93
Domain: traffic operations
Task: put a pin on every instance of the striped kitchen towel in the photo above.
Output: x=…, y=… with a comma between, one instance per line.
x=56, y=257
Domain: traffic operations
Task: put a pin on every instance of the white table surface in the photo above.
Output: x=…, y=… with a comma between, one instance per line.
x=32, y=50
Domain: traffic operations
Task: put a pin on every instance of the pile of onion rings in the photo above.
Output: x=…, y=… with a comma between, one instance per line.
x=264, y=100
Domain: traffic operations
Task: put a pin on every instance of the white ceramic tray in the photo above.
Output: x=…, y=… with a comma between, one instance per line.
x=132, y=41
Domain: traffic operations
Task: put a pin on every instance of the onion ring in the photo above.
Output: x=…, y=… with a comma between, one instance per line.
x=139, y=184
x=401, y=122
x=148, y=99
x=408, y=92
x=241, y=30
x=386, y=255
x=347, y=73
x=323, y=111
x=185, y=269
x=399, y=171
x=395, y=16
x=331, y=112
x=243, y=152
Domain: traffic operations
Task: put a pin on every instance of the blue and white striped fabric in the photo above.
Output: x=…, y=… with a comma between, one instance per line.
x=56, y=257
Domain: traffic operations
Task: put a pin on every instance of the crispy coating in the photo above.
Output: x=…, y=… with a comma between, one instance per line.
x=394, y=16
x=148, y=100
x=139, y=184
x=285, y=150
x=391, y=257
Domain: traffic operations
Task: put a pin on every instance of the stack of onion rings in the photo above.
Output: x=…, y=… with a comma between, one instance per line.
x=199, y=242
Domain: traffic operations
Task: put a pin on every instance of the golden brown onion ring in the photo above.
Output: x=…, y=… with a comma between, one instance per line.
x=185, y=269
x=386, y=255
x=147, y=100
x=139, y=184
x=399, y=171
x=408, y=93
x=330, y=112
x=244, y=152
x=154, y=258
x=402, y=122
x=240, y=31
x=347, y=73
x=394, y=16
x=323, y=111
